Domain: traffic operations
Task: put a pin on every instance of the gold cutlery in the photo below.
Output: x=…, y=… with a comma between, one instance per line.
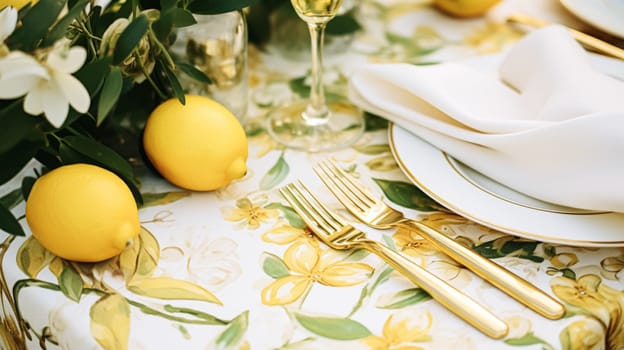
x=377, y=214
x=338, y=234
x=586, y=40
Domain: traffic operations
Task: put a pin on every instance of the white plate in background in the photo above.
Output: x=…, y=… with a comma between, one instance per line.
x=606, y=15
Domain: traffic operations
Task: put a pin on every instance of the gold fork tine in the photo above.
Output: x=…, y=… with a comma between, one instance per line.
x=309, y=213
x=330, y=228
x=348, y=191
x=304, y=194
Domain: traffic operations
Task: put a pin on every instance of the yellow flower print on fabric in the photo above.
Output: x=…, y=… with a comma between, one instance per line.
x=400, y=333
x=605, y=303
x=584, y=334
x=410, y=242
x=248, y=214
x=284, y=233
x=307, y=264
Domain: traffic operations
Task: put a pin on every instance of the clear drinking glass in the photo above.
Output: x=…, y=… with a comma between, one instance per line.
x=217, y=45
x=314, y=125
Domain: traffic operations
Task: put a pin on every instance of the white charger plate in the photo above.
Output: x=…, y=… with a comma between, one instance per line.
x=606, y=15
x=478, y=198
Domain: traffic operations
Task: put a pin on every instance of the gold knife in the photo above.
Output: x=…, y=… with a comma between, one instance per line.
x=586, y=40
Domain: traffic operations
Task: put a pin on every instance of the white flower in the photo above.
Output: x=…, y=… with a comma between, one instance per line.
x=53, y=97
x=19, y=74
x=50, y=86
x=211, y=263
x=8, y=20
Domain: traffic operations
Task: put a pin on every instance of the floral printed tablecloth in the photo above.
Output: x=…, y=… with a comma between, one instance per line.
x=237, y=269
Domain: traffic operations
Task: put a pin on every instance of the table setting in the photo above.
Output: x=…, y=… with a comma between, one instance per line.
x=397, y=174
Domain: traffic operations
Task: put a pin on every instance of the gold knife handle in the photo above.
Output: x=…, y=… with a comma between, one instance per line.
x=515, y=286
x=586, y=40
x=451, y=298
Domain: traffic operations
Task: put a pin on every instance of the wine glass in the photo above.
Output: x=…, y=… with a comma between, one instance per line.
x=314, y=125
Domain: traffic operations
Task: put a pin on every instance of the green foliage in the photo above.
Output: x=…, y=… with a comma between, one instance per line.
x=289, y=213
x=71, y=283
x=405, y=298
x=128, y=70
x=333, y=327
x=275, y=175
x=407, y=195
x=520, y=248
x=274, y=266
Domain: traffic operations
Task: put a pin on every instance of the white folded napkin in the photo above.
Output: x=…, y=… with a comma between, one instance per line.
x=549, y=125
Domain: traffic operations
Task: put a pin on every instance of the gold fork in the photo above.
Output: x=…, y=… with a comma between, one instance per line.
x=338, y=234
x=377, y=214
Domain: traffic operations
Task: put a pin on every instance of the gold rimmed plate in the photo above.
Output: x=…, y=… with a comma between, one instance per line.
x=478, y=198
x=606, y=15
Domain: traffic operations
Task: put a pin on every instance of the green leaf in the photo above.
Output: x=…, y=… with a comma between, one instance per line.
x=75, y=149
x=48, y=157
x=162, y=27
x=404, y=298
x=527, y=339
x=71, y=283
x=333, y=327
x=32, y=257
x=12, y=199
x=93, y=74
x=182, y=18
x=178, y=91
x=35, y=24
x=407, y=195
x=170, y=288
x=130, y=38
x=27, y=183
x=110, y=94
x=293, y=218
x=60, y=28
x=204, y=7
x=199, y=314
x=8, y=222
x=275, y=175
x=17, y=125
x=193, y=72
x=151, y=199
x=99, y=153
x=343, y=25
x=374, y=122
x=231, y=337
x=17, y=157
x=258, y=22
x=166, y=5
x=274, y=266
x=389, y=242
x=299, y=87
x=519, y=248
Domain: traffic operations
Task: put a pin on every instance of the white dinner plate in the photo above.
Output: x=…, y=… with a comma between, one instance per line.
x=606, y=15
x=478, y=198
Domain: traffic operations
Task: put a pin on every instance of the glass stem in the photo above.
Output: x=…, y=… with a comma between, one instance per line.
x=317, y=111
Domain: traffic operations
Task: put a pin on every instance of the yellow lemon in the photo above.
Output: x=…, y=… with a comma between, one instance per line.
x=198, y=146
x=82, y=212
x=18, y=4
x=465, y=8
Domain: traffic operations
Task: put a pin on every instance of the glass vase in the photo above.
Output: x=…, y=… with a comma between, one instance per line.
x=217, y=45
